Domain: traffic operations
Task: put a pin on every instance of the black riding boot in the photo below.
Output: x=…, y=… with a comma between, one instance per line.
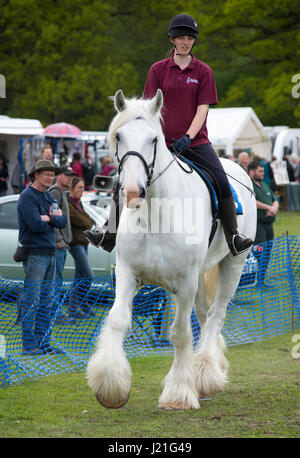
x=105, y=236
x=238, y=243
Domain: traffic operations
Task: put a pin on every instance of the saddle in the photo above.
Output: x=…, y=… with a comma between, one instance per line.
x=215, y=195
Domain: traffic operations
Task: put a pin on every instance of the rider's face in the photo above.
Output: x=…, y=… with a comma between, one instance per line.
x=183, y=44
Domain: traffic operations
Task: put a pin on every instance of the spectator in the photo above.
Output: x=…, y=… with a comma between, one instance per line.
x=47, y=153
x=243, y=160
x=297, y=172
x=289, y=168
x=84, y=276
x=294, y=165
x=16, y=181
x=107, y=166
x=77, y=165
x=63, y=235
x=267, y=208
x=3, y=175
x=36, y=234
x=88, y=170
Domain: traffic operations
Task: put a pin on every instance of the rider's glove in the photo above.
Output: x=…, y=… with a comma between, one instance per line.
x=182, y=144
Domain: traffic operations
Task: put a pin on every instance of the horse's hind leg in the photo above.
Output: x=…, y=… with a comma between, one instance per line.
x=204, y=299
x=109, y=373
x=211, y=366
x=179, y=385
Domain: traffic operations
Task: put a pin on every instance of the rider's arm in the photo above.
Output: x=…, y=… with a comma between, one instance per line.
x=198, y=120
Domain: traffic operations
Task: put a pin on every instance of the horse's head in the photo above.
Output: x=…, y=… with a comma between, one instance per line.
x=134, y=134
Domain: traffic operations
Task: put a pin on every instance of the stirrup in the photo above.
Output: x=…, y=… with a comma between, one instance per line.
x=248, y=243
x=95, y=237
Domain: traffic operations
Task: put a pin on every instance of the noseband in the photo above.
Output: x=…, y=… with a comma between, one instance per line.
x=148, y=168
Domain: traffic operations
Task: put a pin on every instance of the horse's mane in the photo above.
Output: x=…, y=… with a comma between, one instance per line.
x=135, y=108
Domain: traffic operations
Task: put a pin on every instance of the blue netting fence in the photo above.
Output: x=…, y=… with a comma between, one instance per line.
x=266, y=304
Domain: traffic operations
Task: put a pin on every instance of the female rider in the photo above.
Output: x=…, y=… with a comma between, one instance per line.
x=189, y=89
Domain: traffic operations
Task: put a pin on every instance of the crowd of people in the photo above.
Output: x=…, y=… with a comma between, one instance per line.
x=51, y=221
x=82, y=165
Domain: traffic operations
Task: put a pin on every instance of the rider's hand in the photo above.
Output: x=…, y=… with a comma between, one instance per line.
x=182, y=144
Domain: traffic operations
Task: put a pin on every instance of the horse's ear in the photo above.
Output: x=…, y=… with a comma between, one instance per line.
x=120, y=103
x=157, y=101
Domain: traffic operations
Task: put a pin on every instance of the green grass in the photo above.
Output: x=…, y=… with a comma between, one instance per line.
x=287, y=221
x=262, y=399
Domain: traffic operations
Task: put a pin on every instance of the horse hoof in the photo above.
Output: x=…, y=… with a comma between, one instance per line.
x=174, y=406
x=204, y=397
x=111, y=405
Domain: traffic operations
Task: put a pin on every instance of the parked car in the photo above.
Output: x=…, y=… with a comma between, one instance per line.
x=100, y=260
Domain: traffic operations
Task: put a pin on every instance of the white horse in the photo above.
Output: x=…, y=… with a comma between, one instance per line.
x=176, y=259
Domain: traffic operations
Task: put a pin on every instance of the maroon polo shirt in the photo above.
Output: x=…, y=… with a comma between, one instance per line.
x=183, y=91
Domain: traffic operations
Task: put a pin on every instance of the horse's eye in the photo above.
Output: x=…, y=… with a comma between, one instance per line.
x=117, y=137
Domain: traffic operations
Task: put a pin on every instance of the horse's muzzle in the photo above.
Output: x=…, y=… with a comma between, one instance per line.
x=134, y=196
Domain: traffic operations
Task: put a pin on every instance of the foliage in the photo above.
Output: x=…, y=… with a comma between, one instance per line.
x=57, y=61
x=62, y=59
x=257, y=45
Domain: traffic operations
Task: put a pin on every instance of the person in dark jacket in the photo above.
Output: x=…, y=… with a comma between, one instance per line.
x=36, y=234
x=80, y=221
x=3, y=175
x=63, y=236
x=267, y=209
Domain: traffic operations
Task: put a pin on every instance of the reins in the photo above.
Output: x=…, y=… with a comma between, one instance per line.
x=149, y=168
x=176, y=155
x=193, y=164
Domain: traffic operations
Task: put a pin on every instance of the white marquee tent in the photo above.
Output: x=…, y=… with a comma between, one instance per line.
x=12, y=130
x=238, y=128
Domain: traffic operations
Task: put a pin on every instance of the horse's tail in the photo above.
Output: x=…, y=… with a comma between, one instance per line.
x=211, y=282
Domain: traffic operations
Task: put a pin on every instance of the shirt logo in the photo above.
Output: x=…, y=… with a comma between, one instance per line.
x=191, y=80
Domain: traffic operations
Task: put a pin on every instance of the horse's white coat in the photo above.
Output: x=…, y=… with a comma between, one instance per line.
x=166, y=259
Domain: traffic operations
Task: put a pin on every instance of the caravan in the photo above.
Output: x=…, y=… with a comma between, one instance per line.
x=284, y=140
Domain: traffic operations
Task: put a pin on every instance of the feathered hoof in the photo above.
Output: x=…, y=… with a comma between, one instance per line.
x=111, y=405
x=174, y=406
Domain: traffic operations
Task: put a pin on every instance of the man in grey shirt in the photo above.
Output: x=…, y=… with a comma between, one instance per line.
x=63, y=236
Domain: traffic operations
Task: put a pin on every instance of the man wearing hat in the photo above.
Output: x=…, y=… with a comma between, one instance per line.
x=63, y=235
x=36, y=234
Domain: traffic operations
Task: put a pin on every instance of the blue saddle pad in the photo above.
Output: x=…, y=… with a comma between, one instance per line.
x=209, y=181
x=238, y=205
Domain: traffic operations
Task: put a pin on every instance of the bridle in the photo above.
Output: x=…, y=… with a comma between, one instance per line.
x=148, y=167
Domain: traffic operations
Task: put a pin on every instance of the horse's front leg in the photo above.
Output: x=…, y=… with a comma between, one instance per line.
x=109, y=373
x=179, y=385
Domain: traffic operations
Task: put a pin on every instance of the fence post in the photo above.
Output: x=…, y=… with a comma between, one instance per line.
x=290, y=277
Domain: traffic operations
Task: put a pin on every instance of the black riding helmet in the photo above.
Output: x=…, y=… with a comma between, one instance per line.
x=181, y=25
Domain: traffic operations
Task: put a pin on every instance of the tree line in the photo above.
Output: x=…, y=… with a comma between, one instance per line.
x=62, y=58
